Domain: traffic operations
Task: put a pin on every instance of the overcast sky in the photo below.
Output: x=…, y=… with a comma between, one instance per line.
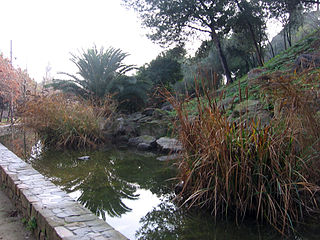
x=46, y=31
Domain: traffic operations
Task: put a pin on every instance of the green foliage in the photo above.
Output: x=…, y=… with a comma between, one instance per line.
x=176, y=21
x=162, y=72
x=31, y=225
x=131, y=93
x=98, y=72
x=24, y=220
x=165, y=70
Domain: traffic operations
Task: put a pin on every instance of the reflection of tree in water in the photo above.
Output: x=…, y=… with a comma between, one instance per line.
x=106, y=179
x=100, y=187
x=20, y=142
x=103, y=191
x=163, y=222
x=166, y=222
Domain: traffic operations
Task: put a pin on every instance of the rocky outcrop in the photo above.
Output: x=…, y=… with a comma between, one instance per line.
x=143, y=143
x=175, y=156
x=251, y=110
x=226, y=104
x=151, y=122
x=306, y=61
x=166, y=144
x=255, y=73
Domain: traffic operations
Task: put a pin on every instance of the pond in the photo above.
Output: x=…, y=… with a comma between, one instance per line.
x=132, y=191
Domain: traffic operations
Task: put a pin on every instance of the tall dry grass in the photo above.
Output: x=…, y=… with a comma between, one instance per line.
x=66, y=122
x=246, y=169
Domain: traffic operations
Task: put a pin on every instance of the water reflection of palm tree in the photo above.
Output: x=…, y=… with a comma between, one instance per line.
x=103, y=191
x=107, y=179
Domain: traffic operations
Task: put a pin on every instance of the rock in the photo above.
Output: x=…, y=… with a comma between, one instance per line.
x=255, y=73
x=305, y=61
x=148, y=112
x=226, y=103
x=84, y=158
x=144, y=142
x=169, y=144
x=157, y=128
x=136, y=124
x=122, y=138
x=135, y=116
x=159, y=114
x=249, y=105
x=122, y=127
x=178, y=188
x=144, y=147
x=264, y=117
x=166, y=107
x=169, y=157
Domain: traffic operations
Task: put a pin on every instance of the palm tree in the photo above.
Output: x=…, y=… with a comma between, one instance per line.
x=98, y=72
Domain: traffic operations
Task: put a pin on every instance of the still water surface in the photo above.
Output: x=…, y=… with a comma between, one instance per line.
x=132, y=191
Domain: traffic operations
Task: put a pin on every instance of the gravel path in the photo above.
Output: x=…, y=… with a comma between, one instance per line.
x=11, y=227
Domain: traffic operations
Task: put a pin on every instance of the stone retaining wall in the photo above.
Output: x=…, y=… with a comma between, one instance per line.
x=56, y=214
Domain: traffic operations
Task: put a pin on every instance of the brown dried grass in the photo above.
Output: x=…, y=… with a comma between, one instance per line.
x=66, y=122
x=246, y=169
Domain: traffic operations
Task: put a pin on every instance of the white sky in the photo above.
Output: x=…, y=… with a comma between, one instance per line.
x=46, y=31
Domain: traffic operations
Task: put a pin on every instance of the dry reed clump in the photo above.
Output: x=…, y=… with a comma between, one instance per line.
x=247, y=169
x=66, y=122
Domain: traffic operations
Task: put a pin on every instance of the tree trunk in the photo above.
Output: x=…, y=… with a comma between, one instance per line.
x=9, y=113
x=254, y=40
x=222, y=57
x=271, y=48
x=289, y=35
x=284, y=38
x=1, y=114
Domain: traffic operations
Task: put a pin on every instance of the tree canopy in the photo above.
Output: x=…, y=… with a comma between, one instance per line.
x=175, y=20
x=165, y=70
x=98, y=70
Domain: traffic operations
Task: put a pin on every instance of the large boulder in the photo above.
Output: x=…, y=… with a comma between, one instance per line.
x=226, y=103
x=157, y=128
x=251, y=110
x=306, y=61
x=135, y=116
x=123, y=128
x=247, y=106
x=166, y=107
x=120, y=130
x=143, y=143
x=255, y=73
x=170, y=157
x=166, y=144
x=148, y=112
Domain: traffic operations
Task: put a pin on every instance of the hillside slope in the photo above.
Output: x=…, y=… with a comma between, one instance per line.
x=298, y=66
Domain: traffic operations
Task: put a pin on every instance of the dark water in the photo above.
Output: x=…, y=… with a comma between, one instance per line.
x=132, y=191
